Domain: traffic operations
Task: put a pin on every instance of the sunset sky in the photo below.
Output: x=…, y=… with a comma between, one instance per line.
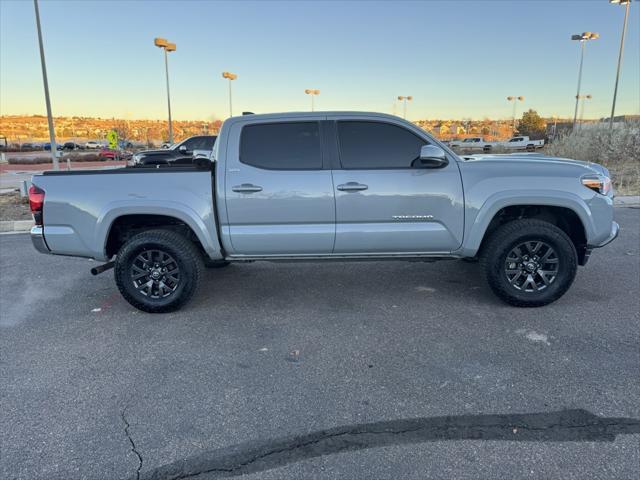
x=459, y=59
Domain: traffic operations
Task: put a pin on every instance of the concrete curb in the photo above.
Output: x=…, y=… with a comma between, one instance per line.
x=15, y=226
x=627, y=201
x=25, y=225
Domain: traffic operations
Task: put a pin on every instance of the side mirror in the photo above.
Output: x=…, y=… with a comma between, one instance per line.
x=182, y=149
x=432, y=156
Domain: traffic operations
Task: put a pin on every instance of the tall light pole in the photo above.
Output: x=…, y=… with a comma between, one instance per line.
x=52, y=132
x=404, y=106
x=312, y=93
x=583, y=98
x=167, y=47
x=513, y=114
x=624, y=31
x=230, y=76
x=582, y=38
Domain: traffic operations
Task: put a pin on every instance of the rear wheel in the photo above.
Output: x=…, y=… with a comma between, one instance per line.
x=158, y=270
x=529, y=263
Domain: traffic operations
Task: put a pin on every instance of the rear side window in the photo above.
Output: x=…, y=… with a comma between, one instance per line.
x=282, y=146
x=199, y=143
x=370, y=145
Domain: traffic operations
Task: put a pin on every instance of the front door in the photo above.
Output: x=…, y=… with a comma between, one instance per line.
x=279, y=196
x=384, y=202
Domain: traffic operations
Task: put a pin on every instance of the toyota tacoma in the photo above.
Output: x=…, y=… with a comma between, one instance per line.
x=325, y=186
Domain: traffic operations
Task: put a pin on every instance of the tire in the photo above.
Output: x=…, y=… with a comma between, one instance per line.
x=140, y=276
x=208, y=263
x=519, y=268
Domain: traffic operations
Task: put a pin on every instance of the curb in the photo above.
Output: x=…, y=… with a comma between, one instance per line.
x=627, y=201
x=15, y=226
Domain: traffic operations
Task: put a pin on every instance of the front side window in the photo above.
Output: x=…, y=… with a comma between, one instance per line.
x=282, y=146
x=371, y=145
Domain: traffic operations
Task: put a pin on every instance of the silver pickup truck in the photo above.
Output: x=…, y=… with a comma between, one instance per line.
x=328, y=185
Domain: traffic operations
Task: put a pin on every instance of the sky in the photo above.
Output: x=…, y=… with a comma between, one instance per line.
x=458, y=59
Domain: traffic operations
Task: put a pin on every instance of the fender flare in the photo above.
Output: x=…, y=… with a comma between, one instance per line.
x=475, y=232
x=202, y=228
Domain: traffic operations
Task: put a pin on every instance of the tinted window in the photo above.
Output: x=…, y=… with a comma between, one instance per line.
x=377, y=145
x=199, y=143
x=282, y=146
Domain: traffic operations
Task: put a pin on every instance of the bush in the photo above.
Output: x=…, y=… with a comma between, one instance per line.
x=617, y=150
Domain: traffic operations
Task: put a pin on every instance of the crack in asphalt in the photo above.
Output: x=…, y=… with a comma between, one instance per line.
x=255, y=456
x=133, y=444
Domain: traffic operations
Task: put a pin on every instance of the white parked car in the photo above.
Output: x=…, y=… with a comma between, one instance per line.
x=473, y=144
x=522, y=143
x=91, y=145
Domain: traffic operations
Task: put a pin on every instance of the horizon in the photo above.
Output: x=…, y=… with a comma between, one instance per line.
x=361, y=59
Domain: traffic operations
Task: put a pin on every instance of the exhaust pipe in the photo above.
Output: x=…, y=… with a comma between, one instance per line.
x=102, y=268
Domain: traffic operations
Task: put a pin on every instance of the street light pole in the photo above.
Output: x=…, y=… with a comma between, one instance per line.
x=166, y=70
x=624, y=31
x=230, y=76
x=404, y=104
x=52, y=132
x=167, y=47
x=583, y=98
x=582, y=38
x=514, y=99
x=312, y=93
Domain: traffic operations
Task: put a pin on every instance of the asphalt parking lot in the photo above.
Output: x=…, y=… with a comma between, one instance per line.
x=380, y=370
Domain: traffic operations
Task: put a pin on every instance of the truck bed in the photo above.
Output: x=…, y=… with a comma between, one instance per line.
x=80, y=206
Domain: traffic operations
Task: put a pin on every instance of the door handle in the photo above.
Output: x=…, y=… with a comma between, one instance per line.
x=352, y=187
x=246, y=188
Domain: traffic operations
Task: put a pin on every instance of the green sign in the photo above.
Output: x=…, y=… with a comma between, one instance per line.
x=112, y=136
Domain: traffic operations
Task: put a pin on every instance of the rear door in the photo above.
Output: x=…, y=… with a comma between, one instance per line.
x=279, y=193
x=384, y=203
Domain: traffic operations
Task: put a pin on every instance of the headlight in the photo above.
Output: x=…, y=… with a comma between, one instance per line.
x=597, y=183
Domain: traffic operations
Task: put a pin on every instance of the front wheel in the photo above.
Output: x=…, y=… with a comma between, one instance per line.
x=158, y=270
x=529, y=263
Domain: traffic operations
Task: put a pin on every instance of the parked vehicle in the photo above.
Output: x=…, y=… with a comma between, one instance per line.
x=91, y=145
x=110, y=154
x=326, y=186
x=70, y=146
x=523, y=143
x=473, y=144
x=47, y=146
x=27, y=147
x=182, y=152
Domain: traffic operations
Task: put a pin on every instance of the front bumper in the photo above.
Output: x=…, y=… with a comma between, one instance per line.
x=37, y=238
x=615, y=230
x=587, y=250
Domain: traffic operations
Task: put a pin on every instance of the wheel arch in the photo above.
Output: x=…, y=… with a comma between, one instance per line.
x=569, y=214
x=119, y=224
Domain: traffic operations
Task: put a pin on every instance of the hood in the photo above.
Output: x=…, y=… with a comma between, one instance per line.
x=534, y=158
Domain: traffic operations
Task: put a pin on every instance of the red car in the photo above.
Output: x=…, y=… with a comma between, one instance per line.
x=109, y=154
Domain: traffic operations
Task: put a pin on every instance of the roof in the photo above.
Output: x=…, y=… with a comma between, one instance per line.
x=267, y=116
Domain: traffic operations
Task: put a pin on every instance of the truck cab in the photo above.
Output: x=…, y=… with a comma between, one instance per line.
x=338, y=184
